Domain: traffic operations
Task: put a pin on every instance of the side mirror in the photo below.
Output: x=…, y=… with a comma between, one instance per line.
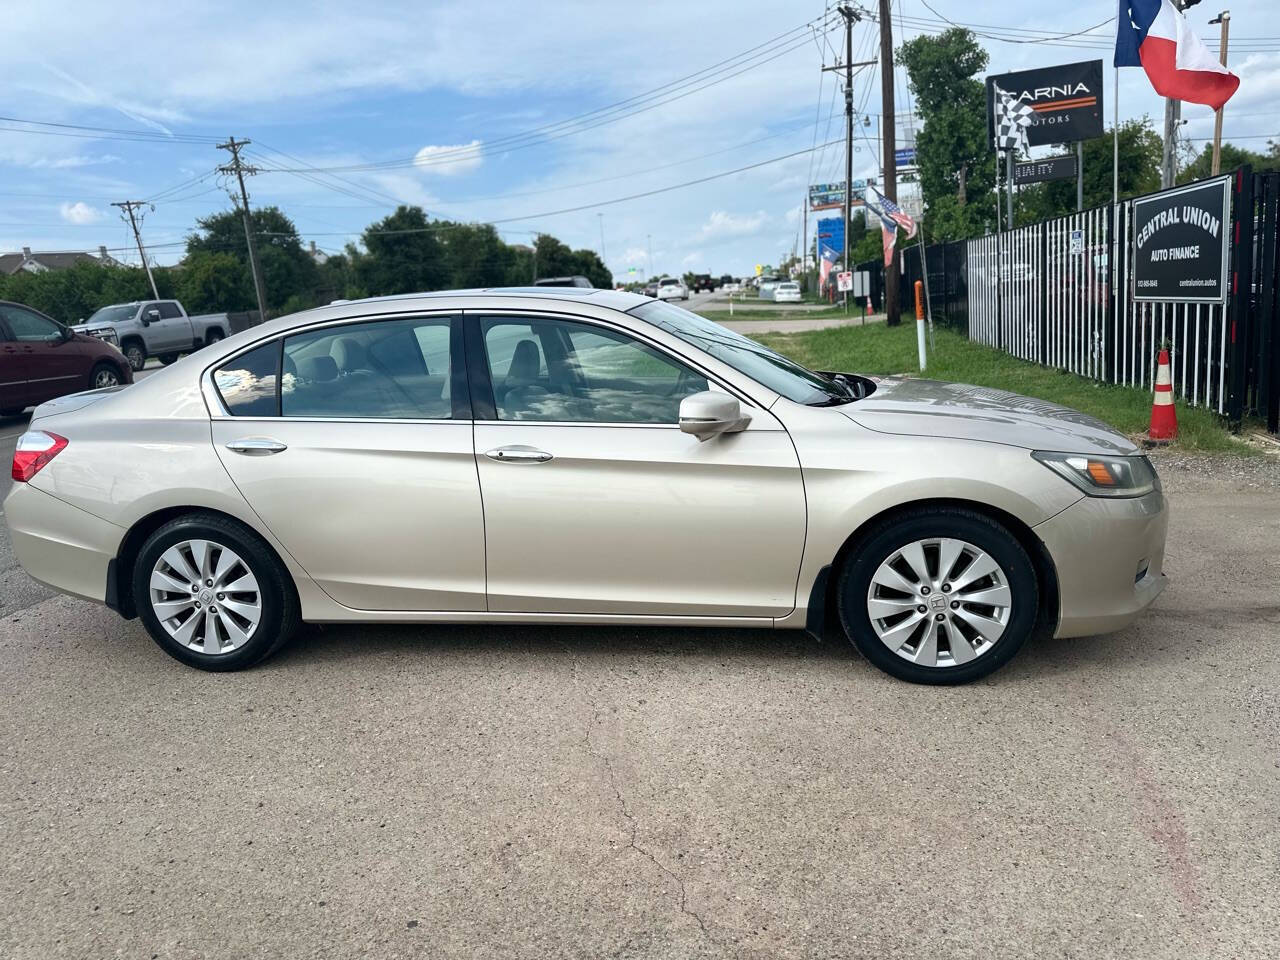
x=150, y=315
x=709, y=414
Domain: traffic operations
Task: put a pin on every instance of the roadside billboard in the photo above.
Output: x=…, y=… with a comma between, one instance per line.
x=1066, y=101
x=828, y=196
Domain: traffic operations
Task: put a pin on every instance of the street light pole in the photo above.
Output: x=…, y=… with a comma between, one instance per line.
x=1223, y=18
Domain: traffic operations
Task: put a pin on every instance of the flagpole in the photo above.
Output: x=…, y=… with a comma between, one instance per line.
x=1115, y=142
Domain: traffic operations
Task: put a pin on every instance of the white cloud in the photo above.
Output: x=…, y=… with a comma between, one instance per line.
x=723, y=224
x=447, y=161
x=690, y=259
x=80, y=212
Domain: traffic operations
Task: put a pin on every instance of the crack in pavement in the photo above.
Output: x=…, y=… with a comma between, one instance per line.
x=624, y=809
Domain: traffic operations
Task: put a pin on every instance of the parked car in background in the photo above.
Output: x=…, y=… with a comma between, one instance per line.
x=40, y=359
x=651, y=289
x=730, y=286
x=766, y=285
x=672, y=288
x=154, y=328
x=575, y=281
x=598, y=457
x=725, y=281
x=703, y=282
x=787, y=292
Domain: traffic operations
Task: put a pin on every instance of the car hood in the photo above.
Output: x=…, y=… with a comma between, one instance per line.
x=931, y=408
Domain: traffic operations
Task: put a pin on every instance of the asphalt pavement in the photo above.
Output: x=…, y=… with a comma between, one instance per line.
x=589, y=792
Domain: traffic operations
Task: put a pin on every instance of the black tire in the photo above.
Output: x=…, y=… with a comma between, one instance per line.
x=103, y=375
x=168, y=358
x=893, y=533
x=212, y=337
x=135, y=353
x=279, y=619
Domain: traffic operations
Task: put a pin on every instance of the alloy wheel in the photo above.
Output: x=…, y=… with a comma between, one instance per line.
x=205, y=596
x=939, y=602
x=136, y=357
x=105, y=378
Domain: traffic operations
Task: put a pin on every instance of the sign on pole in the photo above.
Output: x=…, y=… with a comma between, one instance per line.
x=1066, y=101
x=1180, y=246
x=1050, y=168
x=1077, y=243
x=906, y=157
x=844, y=281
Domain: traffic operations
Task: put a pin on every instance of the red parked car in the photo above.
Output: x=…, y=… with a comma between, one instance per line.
x=41, y=359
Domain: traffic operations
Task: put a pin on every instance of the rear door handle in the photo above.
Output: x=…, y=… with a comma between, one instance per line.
x=518, y=453
x=256, y=446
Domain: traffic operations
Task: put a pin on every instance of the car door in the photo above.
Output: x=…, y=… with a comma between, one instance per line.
x=53, y=365
x=13, y=371
x=352, y=442
x=171, y=333
x=596, y=502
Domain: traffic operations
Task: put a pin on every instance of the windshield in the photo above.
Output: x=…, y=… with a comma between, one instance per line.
x=757, y=361
x=116, y=314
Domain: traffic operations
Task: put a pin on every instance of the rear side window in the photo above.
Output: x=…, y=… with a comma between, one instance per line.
x=249, y=384
x=169, y=310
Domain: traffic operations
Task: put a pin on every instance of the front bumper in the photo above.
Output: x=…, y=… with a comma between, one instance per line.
x=1109, y=555
x=60, y=545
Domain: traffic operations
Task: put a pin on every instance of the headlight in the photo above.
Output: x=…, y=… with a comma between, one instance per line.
x=1103, y=476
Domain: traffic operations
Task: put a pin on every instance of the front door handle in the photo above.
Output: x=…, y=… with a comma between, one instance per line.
x=518, y=453
x=256, y=446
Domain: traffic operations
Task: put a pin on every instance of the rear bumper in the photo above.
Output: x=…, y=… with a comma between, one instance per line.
x=1109, y=556
x=60, y=545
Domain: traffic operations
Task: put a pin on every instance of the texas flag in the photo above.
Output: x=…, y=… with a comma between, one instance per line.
x=1154, y=35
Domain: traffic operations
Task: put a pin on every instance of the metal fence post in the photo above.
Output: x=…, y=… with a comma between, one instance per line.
x=1242, y=215
x=1267, y=370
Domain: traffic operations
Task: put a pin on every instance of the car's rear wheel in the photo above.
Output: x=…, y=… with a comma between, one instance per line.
x=938, y=595
x=136, y=354
x=103, y=375
x=214, y=336
x=213, y=594
x=168, y=358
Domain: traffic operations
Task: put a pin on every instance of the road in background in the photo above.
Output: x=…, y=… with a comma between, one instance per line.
x=498, y=791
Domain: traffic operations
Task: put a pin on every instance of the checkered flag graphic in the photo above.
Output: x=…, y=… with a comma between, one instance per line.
x=1013, y=117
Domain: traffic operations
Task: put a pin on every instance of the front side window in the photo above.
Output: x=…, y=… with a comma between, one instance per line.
x=562, y=371
x=28, y=326
x=248, y=384
x=773, y=370
x=383, y=369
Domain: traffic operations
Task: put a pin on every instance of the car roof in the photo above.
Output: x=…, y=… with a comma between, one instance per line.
x=617, y=299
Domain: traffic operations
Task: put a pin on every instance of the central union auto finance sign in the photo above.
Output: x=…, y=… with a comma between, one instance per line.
x=1180, y=243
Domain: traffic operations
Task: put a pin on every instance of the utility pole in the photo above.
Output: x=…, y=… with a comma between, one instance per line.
x=1223, y=18
x=648, y=239
x=851, y=17
x=888, y=132
x=240, y=168
x=603, y=258
x=1172, y=120
x=128, y=206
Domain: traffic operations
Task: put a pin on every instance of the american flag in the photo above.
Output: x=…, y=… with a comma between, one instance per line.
x=891, y=217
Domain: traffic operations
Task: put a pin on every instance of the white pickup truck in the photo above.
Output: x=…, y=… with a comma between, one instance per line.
x=154, y=328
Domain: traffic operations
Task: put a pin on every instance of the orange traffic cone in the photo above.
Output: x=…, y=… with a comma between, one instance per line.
x=1164, y=421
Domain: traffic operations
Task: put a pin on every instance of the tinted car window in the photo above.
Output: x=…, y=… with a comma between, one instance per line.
x=385, y=369
x=25, y=325
x=248, y=384
x=169, y=310
x=557, y=370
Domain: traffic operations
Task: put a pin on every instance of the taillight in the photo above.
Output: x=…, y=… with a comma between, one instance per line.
x=34, y=450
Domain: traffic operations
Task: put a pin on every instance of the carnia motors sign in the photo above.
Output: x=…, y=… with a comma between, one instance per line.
x=1180, y=243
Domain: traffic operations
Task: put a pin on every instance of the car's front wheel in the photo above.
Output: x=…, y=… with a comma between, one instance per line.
x=938, y=595
x=104, y=375
x=213, y=594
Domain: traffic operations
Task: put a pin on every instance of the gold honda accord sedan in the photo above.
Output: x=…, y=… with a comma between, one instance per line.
x=565, y=455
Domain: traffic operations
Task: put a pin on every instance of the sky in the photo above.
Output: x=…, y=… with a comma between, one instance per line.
x=469, y=110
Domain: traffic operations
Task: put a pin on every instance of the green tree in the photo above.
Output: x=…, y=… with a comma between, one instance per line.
x=1232, y=157
x=288, y=270
x=402, y=254
x=954, y=156
x=214, y=282
x=475, y=254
